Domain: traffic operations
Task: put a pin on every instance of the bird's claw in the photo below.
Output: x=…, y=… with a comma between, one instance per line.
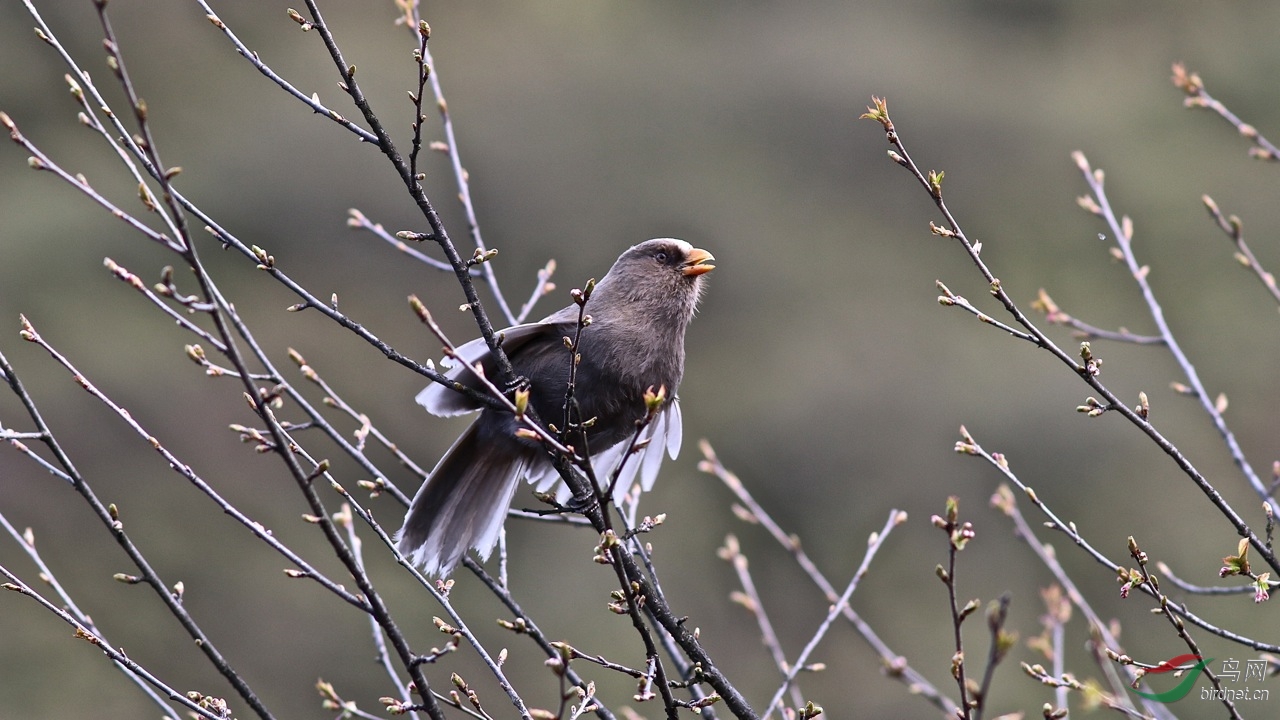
x=581, y=504
x=575, y=504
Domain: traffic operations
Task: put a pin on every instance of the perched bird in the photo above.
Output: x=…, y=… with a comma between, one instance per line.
x=634, y=342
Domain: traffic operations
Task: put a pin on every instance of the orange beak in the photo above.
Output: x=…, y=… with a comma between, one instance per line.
x=697, y=263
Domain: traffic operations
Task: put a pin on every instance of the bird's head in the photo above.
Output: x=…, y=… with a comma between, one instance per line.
x=660, y=272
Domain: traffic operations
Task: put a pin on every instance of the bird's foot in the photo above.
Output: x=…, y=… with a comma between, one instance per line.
x=519, y=382
x=574, y=505
x=581, y=504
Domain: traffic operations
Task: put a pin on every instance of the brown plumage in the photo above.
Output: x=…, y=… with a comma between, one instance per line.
x=639, y=312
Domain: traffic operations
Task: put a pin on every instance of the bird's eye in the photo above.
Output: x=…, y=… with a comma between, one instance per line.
x=660, y=256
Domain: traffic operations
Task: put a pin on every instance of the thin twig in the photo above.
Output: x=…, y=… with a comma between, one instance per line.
x=1088, y=370
x=27, y=541
x=188, y=473
x=1001, y=643
x=1179, y=627
x=1197, y=97
x=524, y=625
x=358, y=220
x=460, y=175
x=228, y=326
x=382, y=657
x=1181, y=584
x=312, y=101
x=367, y=428
x=895, y=665
x=750, y=599
x=15, y=584
x=958, y=536
x=1053, y=314
x=1122, y=229
x=1234, y=230
x=874, y=543
x=110, y=518
x=461, y=269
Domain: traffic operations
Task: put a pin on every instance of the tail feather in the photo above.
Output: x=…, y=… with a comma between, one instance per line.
x=463, y=502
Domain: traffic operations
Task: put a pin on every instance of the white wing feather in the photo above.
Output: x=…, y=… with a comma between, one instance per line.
x=443, y=401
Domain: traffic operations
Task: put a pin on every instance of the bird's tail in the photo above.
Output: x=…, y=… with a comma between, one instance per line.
x=464, y=501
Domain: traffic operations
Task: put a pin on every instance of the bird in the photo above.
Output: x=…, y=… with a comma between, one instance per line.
x=633, y=343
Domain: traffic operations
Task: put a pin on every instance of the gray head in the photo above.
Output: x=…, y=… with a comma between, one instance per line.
x=659, y=279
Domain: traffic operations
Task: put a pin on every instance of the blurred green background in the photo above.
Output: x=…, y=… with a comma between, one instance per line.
x=821, y=366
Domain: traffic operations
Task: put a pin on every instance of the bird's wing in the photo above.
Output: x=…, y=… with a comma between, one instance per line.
x=442, y=401
x=663, y=434
x=675, y=428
